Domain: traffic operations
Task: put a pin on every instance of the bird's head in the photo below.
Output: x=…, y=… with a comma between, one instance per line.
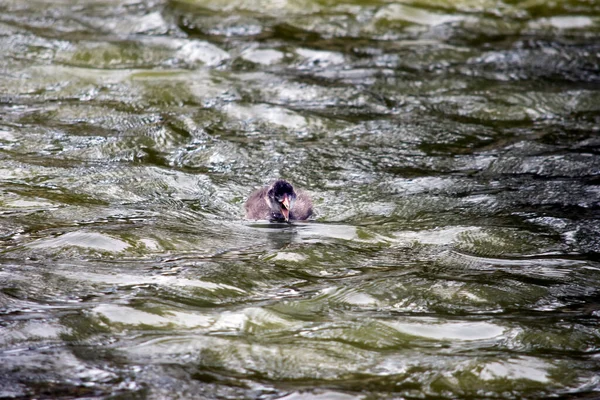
x=281, y=198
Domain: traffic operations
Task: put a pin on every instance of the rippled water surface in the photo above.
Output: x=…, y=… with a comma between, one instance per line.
x=451, y=148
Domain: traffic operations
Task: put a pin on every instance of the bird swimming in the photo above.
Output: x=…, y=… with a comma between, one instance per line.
x=278, y=202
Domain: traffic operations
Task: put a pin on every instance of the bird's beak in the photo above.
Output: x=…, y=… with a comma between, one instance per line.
x=285, y=208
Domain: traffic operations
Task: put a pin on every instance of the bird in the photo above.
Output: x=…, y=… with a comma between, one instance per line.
x=278, y=202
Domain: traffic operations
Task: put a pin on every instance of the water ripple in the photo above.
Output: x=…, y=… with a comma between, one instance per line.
x=450, y=150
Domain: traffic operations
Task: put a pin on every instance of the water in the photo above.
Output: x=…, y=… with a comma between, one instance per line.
x=451, y=149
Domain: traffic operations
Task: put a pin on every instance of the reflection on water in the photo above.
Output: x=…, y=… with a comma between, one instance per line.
x=450, y=148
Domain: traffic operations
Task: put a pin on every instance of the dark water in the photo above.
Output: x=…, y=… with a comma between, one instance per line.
x=452, y=150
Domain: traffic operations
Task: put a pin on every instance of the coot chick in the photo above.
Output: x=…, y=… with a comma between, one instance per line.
x=278, y=202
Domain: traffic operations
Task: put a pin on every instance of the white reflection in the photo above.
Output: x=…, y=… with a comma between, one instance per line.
x=131, y=316
x=517, y=368
x=263, y=56
x=92, y=240
x=128, y=280
x=431, y=329
x=415, y=15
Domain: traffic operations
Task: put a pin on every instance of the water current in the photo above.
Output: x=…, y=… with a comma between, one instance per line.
x=451, y=148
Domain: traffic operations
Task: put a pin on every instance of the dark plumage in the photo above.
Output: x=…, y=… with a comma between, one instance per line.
x=278, y=202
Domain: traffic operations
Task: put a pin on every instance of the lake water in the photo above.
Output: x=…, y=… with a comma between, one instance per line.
x=452, y=150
